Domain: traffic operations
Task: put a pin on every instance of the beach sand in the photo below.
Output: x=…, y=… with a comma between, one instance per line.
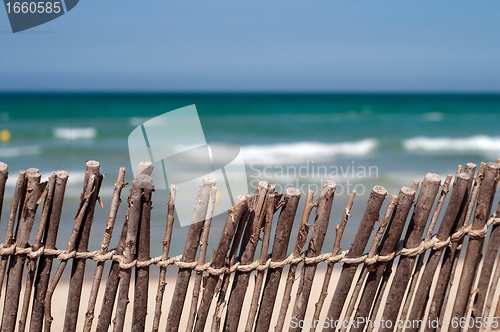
x=61, y=293
x=60, y=297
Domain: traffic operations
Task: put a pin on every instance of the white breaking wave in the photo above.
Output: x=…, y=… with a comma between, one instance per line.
x=275, y=154
x=481, y=144
x=9, y=152
x=75, y=133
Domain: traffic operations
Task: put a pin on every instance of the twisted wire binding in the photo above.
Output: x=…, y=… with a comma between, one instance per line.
x=434, y=243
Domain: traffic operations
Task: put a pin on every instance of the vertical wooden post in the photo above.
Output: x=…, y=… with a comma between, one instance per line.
x=451, y=218
x=111, y=290
x=108, y=302
x=259, y=278
x=189, y=254
x=201, y=260
x=377, y=240
x=4, y=174
x=496, y=314
x=318, y=234
x=414, y=234
x=370, y=216
x=36, y=245
x=390, y=242
x=486, y=270
x=221, y=300
x=17, y=204
x=247, y=253
x=387, y=272
x=339, y=231
x=91, y=185
x=492, y=290
x=81, y=245
x=140, y=193
x=449, y=255
x=475, y=243
x=218, y=259
x=280, y=246
x=16, y=265
x=139, y=207
x=164, y=256
x=45, y=264
x=299, y=245
x=428, y=236
x=113, y=210
x=143, y=254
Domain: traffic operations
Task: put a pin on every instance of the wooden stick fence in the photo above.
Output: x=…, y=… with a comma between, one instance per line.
x=398, y=280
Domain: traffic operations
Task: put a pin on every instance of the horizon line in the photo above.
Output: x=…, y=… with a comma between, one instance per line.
x=242, y=92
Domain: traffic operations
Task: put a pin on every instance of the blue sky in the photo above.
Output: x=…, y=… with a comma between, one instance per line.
x=261, y=46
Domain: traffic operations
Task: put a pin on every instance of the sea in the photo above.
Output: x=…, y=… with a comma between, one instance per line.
x=292, y=140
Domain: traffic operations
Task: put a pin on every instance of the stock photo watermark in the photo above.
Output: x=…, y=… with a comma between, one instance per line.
x=175, y=144
x=25, y=15
x=361, y=322
x=309, y=176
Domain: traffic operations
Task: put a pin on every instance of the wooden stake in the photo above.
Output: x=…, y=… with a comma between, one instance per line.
x=443, y=281
x=113, y=210
x=475, y=243
x=451, y=218
x=259, y=279
x=45, y=264
x=389, y=244
x=428, y=236
x=17, y=204
x=414, y=233
x=189, y=254
x=299, y=244
x=218, y=257
x=34, y=190
x=4, y=174
x=497, y=314
x=339, y=231
x=371, y=254
x=111, y=290
x=201, y=260
x=247, y=253
x=81, y=245
x=370, y=216
x=164, y=256
x=318, y=234
x=221, y=301
x=385, y=279
x=280, y=246
x=486, y=270
x=142, y=187
x=492, y=291
x=36, y=245
x=91, y=185
x=108, y=302
x=143, y=254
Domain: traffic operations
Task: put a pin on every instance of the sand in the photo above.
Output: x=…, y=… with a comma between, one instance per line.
x=60, y=296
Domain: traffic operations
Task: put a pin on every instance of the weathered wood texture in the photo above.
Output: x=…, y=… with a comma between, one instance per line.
x=222, y=285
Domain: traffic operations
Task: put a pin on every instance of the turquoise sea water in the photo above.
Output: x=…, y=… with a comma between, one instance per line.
x=292, y=140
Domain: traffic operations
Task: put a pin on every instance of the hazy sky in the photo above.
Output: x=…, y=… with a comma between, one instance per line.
x=257, y=45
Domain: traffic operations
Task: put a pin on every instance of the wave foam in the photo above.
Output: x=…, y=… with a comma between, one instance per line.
x=75, y=133
x=482, y=144
x=10, y=152
x=297, y=152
